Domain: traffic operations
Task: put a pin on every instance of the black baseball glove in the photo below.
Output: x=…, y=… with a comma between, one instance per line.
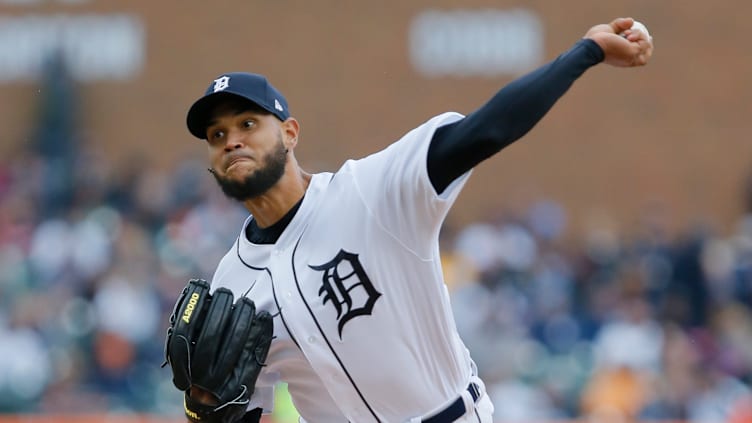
x=218, y=346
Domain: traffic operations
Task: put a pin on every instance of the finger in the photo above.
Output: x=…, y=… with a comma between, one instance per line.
x=186, y=318
x=643, y=54
x=646, y=48
x=240, y=327
x=620, y=25
x=255, y=349
x=636, y=35
x=233, y=356
x=208, y=341
x=189, y=308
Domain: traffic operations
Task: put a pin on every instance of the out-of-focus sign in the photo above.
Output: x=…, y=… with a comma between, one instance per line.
x=37, y=2
x=94, y=47
x=483, y=42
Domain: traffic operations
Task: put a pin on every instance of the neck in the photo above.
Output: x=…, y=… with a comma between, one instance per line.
x=271, y=206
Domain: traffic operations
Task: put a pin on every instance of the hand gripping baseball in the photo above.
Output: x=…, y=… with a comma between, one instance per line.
x=218, y=346
x=624, y=44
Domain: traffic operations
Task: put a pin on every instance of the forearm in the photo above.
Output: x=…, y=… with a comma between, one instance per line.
x=507, y=116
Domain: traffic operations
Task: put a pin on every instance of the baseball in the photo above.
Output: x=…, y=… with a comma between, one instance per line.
x=641, y=27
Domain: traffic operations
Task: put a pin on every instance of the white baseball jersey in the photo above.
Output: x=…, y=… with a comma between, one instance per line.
x=363, y=325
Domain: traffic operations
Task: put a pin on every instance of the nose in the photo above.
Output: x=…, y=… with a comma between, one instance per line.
x=234, y=141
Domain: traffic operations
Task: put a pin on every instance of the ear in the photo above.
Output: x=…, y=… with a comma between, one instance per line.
x=290, y=130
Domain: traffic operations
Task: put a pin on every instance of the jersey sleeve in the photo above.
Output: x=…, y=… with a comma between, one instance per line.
x=395, y=187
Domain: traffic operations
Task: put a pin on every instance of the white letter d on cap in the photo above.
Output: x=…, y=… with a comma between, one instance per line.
x=221, y=83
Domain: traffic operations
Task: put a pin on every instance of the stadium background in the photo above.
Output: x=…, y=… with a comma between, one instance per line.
x=599, y=268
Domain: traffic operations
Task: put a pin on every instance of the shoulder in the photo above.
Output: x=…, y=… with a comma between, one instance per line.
x=406, y=152
x=414, y=139
x=429, y=126
x=414, y=144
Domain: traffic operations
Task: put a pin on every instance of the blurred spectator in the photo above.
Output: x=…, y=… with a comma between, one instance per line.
x=25, y=370
x=627, y=352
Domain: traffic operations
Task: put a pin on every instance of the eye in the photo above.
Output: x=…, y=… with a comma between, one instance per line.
x=218, y=134
x=248, y=123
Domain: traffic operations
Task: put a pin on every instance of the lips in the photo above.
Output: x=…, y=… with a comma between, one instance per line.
x=236, y=159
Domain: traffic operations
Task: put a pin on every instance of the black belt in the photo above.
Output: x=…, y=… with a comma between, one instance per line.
x=456, y=409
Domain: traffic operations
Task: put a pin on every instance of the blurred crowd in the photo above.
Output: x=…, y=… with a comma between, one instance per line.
x=614, y=327
x=605, y=324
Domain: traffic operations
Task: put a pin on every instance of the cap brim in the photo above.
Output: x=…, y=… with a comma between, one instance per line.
x=200, y=112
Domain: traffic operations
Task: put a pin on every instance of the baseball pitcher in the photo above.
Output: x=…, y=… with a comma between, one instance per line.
x=334, y=284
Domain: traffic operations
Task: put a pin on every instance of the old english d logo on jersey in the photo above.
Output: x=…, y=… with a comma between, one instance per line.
x=346, y=286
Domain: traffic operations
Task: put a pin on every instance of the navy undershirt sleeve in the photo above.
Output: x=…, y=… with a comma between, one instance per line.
x=457, y=147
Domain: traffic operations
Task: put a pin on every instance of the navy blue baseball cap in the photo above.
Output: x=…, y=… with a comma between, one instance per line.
x=250, y=86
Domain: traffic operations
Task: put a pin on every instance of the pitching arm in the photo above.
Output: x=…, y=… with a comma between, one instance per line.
x=507, y=116
x=513, y=111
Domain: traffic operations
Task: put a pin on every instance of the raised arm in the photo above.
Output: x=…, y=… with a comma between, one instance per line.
x=517, y=108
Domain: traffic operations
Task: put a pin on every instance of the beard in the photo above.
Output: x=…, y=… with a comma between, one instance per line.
x=260, y=180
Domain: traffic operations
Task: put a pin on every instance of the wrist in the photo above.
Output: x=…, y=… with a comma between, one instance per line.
x=595, y=50
x=599, y=39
